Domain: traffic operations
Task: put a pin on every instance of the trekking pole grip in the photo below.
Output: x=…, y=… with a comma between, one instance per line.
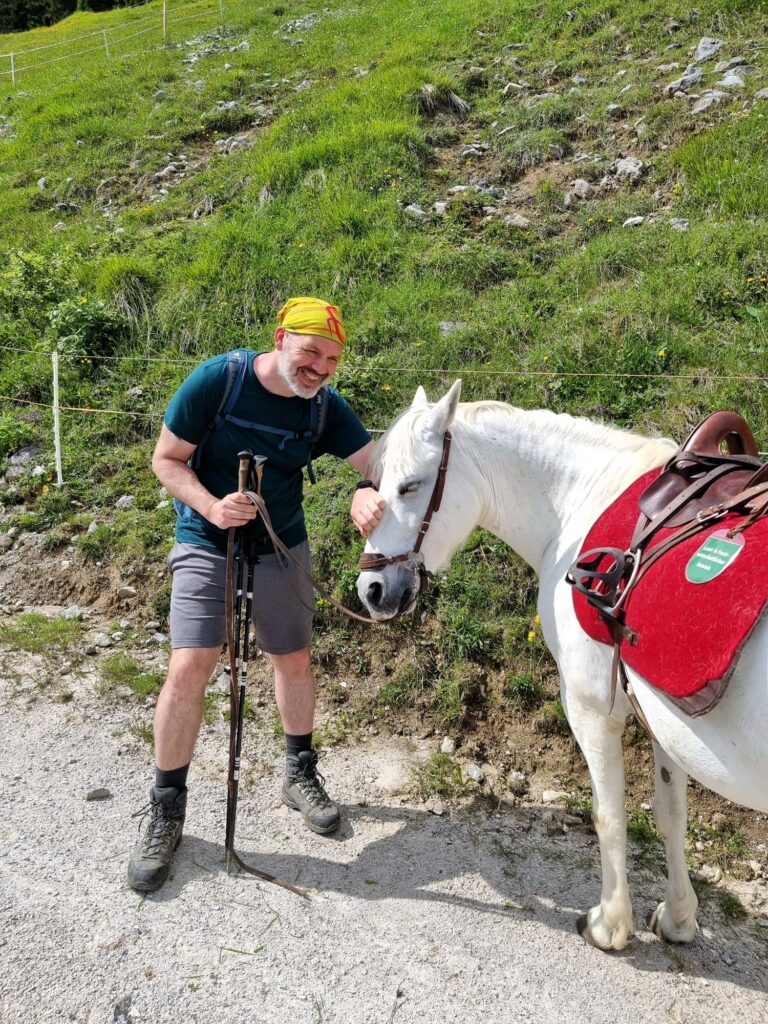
x=244, y=469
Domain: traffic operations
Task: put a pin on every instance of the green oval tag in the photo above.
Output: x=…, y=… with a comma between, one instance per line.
x=713, y=557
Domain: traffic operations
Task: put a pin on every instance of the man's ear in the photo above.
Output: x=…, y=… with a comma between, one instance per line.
x=280, y=333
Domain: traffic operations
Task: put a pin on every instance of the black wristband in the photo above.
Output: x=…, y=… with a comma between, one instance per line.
x=364, y=483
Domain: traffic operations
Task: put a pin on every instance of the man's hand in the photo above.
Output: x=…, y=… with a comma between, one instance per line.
x=367, y=509
x=231, y=510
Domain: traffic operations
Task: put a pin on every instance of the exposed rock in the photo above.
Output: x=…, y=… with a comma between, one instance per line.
x=707, y=48
x=475, y=772
x=448, y=746
x=579, y=80
x=435, y=806
x=692, y=76
x=74, y=611
x=517, y=783
x=761, y=94
x=440, y=208
x=127, y=593
x=709, y=98
x=731, y=81
x=42, y=184
x=667, y=69
x=102, y=640
x=98, y=794
x=6, y=542
x=553, y=796
x=125, y=502
x=734, y=64
x=71, y=208
x=448, y=327
x=633, y=222
x=628, y=168
x=678, y=223
x=517, y=220
x=582, y=189
x=615, y=110
x=160, y=95
x=415, y=211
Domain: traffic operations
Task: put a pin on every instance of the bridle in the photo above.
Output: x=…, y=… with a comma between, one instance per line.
x=372, y=561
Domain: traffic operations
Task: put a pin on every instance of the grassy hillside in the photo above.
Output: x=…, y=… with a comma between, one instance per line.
x=138, y=237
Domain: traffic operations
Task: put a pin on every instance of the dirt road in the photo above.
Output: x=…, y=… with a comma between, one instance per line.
x=412, y=918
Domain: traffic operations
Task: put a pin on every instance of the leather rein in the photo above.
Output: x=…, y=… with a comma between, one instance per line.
x=372, y=561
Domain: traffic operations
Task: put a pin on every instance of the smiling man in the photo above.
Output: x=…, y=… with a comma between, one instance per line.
x=272, y=416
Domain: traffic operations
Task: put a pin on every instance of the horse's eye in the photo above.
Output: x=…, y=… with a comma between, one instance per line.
x=409, y=488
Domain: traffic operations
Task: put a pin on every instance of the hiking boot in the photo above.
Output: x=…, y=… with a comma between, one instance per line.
x=150, y=861
x=304, y=790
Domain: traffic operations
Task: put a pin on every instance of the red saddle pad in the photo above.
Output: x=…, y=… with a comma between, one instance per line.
x=693, y=610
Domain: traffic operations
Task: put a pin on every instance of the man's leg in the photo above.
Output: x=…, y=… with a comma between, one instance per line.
x=178, y=715
x=303, y=787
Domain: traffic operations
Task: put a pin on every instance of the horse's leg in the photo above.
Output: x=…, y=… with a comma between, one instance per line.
x=675, y=918
x=609, y=925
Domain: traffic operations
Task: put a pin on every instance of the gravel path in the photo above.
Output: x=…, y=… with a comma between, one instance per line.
x=412, y=918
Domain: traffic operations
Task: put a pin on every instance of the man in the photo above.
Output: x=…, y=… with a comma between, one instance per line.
x=271, y=417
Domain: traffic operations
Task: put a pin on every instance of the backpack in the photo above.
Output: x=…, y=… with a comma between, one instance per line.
x=237, y=370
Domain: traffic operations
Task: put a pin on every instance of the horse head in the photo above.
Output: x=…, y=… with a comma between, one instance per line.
x=402, y=551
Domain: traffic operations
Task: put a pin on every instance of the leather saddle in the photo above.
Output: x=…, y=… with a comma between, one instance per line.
x=718, y=461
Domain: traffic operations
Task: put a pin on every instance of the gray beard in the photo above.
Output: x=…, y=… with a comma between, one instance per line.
x=288, y=376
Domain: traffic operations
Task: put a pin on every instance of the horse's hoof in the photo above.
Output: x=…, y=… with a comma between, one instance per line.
x=614, y=941
x=680, y=937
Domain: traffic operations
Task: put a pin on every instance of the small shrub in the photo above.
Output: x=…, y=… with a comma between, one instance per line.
x=439, y=776
x=97, y=544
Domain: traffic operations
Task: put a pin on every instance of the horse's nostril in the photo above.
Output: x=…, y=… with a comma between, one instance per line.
x=374, y=593
x=405, y=600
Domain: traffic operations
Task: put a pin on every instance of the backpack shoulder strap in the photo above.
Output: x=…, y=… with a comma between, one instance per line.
x=318, y=416
x=237, y=369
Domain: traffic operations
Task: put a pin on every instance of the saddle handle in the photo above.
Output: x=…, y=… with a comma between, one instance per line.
x=722, y=428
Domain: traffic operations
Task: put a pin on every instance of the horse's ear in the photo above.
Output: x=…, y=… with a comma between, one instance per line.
x=420, y=400
x=441, y=416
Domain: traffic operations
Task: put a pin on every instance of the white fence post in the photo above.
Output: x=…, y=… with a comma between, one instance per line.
x=106, y=44
x=56, y=420
x=221, y=12
x=165, y=21
x=13, y=71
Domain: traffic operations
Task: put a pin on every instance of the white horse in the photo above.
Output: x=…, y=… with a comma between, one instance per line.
x=538, y=481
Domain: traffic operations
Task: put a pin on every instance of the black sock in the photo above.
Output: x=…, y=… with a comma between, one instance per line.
x=294, y=745
x=176, y=778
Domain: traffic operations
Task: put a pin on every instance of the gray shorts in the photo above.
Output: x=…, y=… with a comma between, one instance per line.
x=282, y=623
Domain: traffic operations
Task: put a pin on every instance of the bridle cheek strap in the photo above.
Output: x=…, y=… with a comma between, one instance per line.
x=372, y=561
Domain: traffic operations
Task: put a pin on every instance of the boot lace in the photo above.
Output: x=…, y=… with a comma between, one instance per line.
x=160, y=831
x=312, y=784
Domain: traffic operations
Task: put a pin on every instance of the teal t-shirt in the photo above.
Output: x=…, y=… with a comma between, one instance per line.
x=194, y=407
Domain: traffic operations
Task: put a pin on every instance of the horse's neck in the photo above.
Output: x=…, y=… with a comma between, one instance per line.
x=545, y=476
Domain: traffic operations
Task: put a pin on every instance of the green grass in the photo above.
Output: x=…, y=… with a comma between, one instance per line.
x=649, y=327
x=439, y=776
x=120, y=669
x=39, y=634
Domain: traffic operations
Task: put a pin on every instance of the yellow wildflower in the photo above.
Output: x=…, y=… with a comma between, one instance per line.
x=531, y=635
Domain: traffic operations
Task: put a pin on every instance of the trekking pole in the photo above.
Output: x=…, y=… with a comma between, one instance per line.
x=241, y=564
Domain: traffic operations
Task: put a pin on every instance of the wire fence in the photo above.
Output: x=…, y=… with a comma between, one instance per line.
x=157, y=396
x=108, y=42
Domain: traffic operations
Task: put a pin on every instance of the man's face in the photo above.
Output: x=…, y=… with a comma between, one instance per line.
x=306, y=361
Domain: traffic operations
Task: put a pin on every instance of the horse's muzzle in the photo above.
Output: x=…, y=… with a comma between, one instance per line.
x=389, y=592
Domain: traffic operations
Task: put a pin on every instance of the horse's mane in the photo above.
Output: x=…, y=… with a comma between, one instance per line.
x=471, y=416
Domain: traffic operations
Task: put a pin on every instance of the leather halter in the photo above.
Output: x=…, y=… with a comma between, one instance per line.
x=372, y=561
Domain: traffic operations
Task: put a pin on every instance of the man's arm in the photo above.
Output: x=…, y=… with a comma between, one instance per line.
x=169, y=463
x=367, y=504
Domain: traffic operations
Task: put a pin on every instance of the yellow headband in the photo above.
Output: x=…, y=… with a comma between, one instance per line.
x=306, y=315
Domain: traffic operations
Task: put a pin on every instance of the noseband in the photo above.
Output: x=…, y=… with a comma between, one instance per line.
x=372, y=561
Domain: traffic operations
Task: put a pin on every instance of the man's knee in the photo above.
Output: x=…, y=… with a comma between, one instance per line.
x=191, y=667
x=297, y=663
